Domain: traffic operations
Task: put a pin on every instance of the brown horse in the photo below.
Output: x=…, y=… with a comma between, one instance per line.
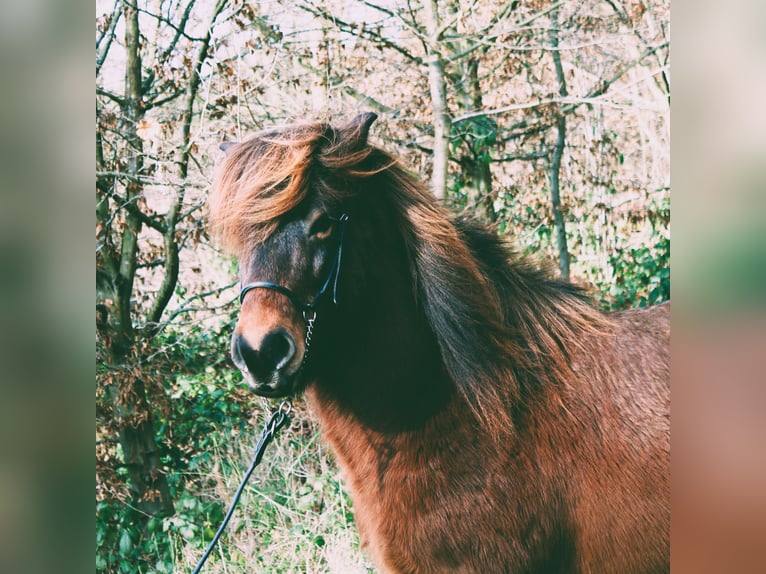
x=486, y=418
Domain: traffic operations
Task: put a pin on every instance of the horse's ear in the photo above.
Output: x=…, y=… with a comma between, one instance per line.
x=354, y=134
x=226, y=147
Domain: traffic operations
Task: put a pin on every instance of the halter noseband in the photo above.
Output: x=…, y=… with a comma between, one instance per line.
x=307, y=307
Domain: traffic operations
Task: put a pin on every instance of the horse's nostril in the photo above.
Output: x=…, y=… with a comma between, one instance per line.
x=275, y=353
x=243, y=355
x=278, y=349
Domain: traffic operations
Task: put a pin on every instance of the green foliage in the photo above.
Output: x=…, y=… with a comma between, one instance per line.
x=294, y=515
x=125, y=542
x=640, y=265
x=619, y=246
x=203, y=404
x=478, y=133
x=642, y=276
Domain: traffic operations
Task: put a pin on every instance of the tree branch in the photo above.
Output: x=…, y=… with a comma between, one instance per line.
x=410, y=25
x=142, y=179
x=369, y=101
x=170, y=277
x=523, y=157
x=568, y=105
x=155, y=327
x=180, y=30
x=152, y=264
x=115, y=98
x=362, y=32
x=107, y=35
x=484, y=39
x=161, y=102
x=508, y=108
x=129, y=205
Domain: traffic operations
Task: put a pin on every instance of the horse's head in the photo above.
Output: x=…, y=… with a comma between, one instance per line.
x=278, y=202
x=286, y=281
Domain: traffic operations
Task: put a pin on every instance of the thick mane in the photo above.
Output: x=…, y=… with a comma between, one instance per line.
x=500, y=324
x=267, y=176
x=547, y=318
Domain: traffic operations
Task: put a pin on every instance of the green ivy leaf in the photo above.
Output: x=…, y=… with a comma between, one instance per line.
x=126, y=543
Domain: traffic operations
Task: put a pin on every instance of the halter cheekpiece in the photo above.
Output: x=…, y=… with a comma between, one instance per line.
x=308, y=307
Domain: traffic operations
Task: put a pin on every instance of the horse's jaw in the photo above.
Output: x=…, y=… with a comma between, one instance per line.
x=278, y=385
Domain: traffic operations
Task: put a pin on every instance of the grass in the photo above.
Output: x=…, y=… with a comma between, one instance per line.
x=294, y=515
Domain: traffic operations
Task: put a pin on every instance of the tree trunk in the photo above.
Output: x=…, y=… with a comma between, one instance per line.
x=134, y=419
x=148, y=484
x=170, y=277
x=441, y=118
x=477, y=175
x=558, y=152
x=558, y=217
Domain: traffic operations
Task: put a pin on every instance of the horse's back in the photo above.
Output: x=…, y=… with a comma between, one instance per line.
x=629, y=512
x=650, y=320
x=643, y=343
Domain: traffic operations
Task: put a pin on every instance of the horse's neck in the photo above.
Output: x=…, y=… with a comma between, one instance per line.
x=364, y=451
x=376, y=464
x=379, y=358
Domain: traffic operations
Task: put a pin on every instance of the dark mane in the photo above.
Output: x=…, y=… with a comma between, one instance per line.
x=495, y=317
x=545, y=316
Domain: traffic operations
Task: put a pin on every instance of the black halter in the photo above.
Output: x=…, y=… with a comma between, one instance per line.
x=332, y=278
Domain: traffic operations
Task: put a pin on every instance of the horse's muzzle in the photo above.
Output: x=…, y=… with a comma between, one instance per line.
x=268, y=369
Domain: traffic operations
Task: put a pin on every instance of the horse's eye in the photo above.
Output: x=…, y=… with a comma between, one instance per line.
x=321, y=227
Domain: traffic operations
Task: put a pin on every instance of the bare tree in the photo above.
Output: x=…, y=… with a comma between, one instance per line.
x=126, y=170
x=558, y=151
x=437, y=81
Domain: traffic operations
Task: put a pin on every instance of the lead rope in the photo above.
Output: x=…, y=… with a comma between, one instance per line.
x=279, y=418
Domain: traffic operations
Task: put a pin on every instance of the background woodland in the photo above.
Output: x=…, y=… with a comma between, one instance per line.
x=548, y=120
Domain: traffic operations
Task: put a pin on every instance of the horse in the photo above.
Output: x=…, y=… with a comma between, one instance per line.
x=485, y=417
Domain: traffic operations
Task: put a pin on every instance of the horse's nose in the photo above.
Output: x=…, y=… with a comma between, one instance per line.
x=274, y=353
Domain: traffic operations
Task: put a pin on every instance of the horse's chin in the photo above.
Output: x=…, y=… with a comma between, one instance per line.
x=279, y=386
